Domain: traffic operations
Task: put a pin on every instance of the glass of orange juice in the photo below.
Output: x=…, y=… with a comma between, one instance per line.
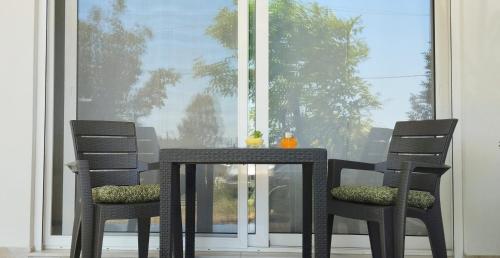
x=289, y=141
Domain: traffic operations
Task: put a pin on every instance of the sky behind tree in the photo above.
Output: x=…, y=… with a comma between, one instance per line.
x=397, y=34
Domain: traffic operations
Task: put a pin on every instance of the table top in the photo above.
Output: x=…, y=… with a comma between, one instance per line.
x=243, y=155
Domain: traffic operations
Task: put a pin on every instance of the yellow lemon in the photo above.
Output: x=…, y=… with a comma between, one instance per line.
x=253, y=142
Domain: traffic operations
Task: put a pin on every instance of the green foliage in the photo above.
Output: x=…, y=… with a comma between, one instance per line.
x=225, y=28
x=110, y=67
x=201, y=126
x=225, y=201
x=153, y=93
x=256, y=134
x=223, y=75
x=314, y=87
x=422, y=102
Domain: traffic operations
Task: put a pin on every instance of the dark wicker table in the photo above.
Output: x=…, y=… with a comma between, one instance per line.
x=314, y=166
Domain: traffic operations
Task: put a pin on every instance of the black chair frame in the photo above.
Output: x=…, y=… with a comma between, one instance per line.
x=106, y=154
x=415, y=162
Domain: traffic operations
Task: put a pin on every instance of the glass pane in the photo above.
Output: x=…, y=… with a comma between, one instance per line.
x=252, y=188
x=161, y=64
x=341, y=74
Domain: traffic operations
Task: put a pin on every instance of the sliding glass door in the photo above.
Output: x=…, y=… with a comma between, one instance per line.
x=170, y=68
x=158, y=64
x=339, y=75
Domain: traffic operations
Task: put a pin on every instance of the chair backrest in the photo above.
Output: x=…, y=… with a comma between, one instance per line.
x=110, y=148
x=421, y=141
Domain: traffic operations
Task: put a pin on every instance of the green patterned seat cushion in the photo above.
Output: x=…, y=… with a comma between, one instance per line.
x=126, y=194
x=381, y=195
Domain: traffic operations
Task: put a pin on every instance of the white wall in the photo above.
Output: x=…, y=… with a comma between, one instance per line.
x=16, y=113
x=479, y=78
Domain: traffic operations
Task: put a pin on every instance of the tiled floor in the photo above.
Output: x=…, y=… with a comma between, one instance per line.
x=130, y=254
x=205, y=254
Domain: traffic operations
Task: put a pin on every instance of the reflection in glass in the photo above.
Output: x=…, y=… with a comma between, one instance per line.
x=341, y=73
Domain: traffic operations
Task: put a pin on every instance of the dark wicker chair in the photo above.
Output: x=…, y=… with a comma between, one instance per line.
x=106, y=154
x=415, y=162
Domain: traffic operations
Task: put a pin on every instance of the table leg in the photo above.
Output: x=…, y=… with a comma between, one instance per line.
x=190, y=209
x=320, y=211
x=307, y=171
x=176, y=211
x=165, y=210
x=170, y=211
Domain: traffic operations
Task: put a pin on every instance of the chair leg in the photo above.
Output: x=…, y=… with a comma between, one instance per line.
x=176, y=216
x=87, y=231
x=190, y=210
x=375, y=241
x=143, y=225
x=436, y=236
x=99, y=223
x=382, y=237
x=76, y=238
x=330, y=232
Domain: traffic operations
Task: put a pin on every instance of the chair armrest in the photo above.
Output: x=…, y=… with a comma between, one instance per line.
x=73, y=166
x=421, y=167
x=82, y=173
x=430, y=168
x=78, y=165
x=349, y=164
x=84, y=204
x=335, y=167
x=406, y=168
x=144, y=166
x=399, y=213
